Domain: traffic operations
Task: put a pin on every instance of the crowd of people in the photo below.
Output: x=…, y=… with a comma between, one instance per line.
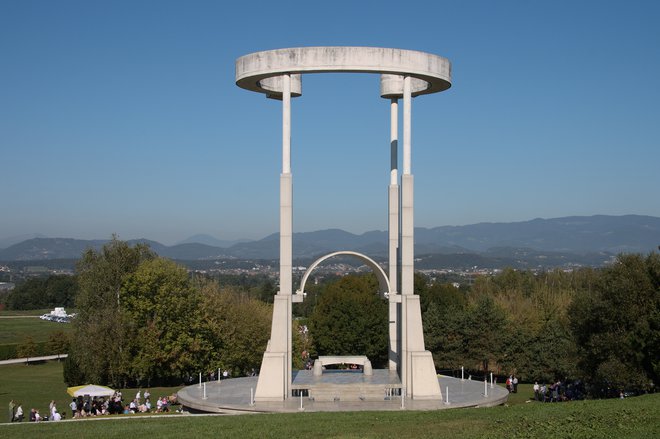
x=559, y=391
x=554, y=392
x=85, y=406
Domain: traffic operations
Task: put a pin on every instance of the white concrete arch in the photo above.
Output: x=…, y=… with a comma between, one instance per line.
x=383, y=283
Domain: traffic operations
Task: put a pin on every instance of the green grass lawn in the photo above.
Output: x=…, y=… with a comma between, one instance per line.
x=16, y=326
x=30, y=312
x=36, y=385
x=631, y=418
x=15, y=330
x=525, y=393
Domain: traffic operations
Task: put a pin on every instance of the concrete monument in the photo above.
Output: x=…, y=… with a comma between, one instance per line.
x=404, y=74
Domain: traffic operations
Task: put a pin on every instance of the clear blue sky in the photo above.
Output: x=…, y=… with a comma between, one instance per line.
x=123, y=116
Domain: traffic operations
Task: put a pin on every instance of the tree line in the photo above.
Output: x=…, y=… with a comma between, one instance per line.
x=42, y=293
x=143, y=320
x=599, y=325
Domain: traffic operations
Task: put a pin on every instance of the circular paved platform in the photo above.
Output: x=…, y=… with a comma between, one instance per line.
x=233, y=396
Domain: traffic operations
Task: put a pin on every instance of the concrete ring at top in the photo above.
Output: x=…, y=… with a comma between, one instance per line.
x=262, y=71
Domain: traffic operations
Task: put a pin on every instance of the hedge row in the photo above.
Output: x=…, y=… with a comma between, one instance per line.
x=9, y=351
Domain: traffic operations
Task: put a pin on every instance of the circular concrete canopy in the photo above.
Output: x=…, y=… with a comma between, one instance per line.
x=262, y=71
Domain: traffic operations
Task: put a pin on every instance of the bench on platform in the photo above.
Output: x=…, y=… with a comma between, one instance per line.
x=362, y=360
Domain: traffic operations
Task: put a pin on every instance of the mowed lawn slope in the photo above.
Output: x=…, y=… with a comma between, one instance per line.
x=17, y=329
x=630, y=418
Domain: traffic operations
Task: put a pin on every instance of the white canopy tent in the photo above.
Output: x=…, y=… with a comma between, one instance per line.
x=91, y=390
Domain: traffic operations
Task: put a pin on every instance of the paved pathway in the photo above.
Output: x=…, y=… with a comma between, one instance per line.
x=33, y=359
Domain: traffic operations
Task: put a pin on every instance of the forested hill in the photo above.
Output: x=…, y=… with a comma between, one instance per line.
x=568, y=235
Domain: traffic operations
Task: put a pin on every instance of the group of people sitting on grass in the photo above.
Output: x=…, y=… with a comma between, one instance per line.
x=559, y=391
x=84, y=406
x=98, y=406
x=163, y=404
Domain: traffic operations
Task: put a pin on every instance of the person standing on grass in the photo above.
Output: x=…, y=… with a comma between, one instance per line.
x=12, y=410
x=515, y=384
x=19, y=413
x=536, y=390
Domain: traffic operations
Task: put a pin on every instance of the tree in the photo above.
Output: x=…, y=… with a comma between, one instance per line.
x=485, y=324
x=351, y=319
x=445, y=296
x=163, y=313
x=544, y=354
x=445, y=335
x=101, y=330
x=537, y=343
x=58, y=343
x=237, y=326
x=617, y=325
x=27, y=348
x=266, y=291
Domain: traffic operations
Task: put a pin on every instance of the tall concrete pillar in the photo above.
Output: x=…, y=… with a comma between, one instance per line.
x=275, y=377
x=393, y=225
x=407, y=239
x=407, y=220
x=418, y=370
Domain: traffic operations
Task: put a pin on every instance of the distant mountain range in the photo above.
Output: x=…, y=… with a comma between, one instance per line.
x=7, y=242
x=210, y=240
x=538, y=239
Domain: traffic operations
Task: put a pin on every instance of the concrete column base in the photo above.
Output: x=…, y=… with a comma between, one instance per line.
x=271, y=384
x=420, y=379
x=275, y=372
x=425, y=383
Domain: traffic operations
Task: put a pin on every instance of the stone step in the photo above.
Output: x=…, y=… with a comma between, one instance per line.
x=348, y=393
